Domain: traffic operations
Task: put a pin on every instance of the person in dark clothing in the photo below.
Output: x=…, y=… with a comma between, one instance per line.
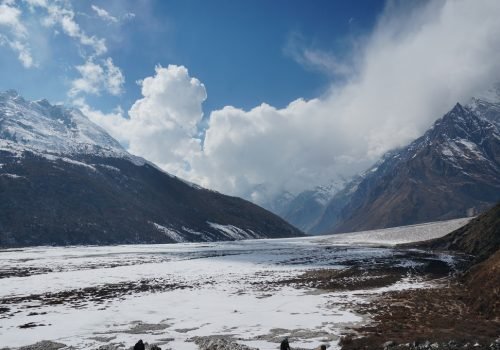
x=284, y=345
x=139, y=345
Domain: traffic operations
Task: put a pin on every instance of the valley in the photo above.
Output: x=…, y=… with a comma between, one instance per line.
x=314, y=290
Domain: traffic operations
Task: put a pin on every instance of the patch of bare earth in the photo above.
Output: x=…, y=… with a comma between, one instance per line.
x=435, y=315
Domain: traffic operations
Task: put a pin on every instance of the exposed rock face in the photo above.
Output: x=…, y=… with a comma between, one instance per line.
x=64, y=181
x=452, y=171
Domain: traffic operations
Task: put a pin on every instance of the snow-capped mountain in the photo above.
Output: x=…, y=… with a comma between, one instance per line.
x=64, y=180
x=52, y=129
x=452, y=171
x=305, y=209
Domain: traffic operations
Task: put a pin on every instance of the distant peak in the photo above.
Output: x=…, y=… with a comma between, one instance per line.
x=457, y=107
x=43, y=127
x=10, y=93
x=457, y=111
x=43, y=102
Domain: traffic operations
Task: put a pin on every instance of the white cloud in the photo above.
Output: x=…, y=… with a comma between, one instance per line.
x=106, y=16
x=64, y=17
x=98, y=77
x=416, y=64
x=102, y=13
x=114, y=122
x=96, y=74
x=58, y=14
x=15, y=33
x=314, y=58
x=163, y=123
x=114, y=78
x=23, y=53
x=10, y=18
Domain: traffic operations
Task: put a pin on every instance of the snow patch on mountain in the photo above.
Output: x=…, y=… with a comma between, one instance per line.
x=12, y=176
x=172, y=234
x=324, y=193
x=203, y=236
x=233, y=232
x=109, y=167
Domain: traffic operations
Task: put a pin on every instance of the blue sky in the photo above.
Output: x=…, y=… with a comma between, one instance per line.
x=240, y=50
x=254, y=98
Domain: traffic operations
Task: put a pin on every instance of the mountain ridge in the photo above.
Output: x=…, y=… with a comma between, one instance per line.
x=452, y=171
x=65, y=181
x=463, y=145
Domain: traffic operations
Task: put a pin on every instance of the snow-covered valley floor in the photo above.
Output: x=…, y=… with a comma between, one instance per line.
x=255, y=291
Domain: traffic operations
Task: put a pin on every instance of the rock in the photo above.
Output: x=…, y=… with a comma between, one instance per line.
x=434, y=346
x=219, y=343
x=388, y=344
x=44, y=345
x=111, y=347
x=153, y=347
x=321, y=347
x=139, y=345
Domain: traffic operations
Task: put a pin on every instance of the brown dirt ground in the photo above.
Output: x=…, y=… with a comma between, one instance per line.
x=436, y=315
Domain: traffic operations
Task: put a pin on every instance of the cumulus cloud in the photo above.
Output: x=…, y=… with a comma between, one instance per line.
x=98, y=77
x=415, y=65
x=162, y=125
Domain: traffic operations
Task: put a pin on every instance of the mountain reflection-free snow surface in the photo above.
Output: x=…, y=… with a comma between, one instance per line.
x=89, y=296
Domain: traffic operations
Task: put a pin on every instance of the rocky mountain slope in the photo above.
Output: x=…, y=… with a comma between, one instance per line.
x=480, y=238
x=461, y=310
x=64, y=180
x=452, y=171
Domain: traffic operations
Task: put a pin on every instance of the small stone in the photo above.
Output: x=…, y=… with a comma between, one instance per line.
x=434, y=345
x=110, y=347
x=388, y=344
